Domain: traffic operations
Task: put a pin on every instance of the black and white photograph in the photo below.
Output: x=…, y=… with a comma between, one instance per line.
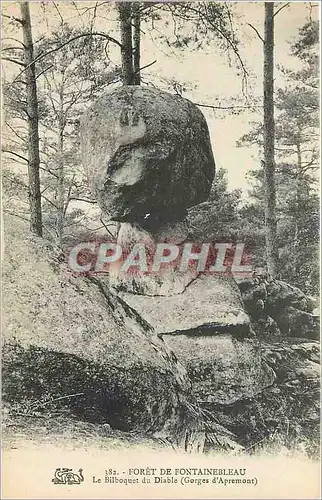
x=160, y=244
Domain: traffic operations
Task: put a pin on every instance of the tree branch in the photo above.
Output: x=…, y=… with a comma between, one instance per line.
x=101, y=219
x=311, y=165
x=68, y=198
x=15, y=154
x=14, y=39
x=11, y=48
x=49, y=171
x=13, y=17
x=86, y=200
x=237, y=54
x=49, y=201
x=14, y=61
x=42, y=55
x=58, y=11
x=16, y=133
x=281, y=8
x=44, y=71
x=257, y=32
x=109, y=38
x=225, y=107
x=16, y=215
x=147, y=65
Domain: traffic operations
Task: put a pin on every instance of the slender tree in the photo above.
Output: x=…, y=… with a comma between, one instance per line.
x=269, y=141
x=70, y=69
x=296, y=158
x=136, y=42
x=125, y=16
x=69, y=79
x=32, y=114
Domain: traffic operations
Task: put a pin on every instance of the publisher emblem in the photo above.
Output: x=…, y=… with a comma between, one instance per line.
x=67, y=476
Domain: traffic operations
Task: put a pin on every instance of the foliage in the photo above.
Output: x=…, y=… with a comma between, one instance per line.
x=297, y=153
x=68, y=79
x=217, y=219
x=194, y=25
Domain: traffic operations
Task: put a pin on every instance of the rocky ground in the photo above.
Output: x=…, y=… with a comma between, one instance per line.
x=78, y=358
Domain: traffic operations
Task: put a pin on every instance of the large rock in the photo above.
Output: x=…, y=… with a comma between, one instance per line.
x=278, y=308
x=287, y=413
x=209, y=305
x=223, y=369
x=210, y=333
x=147, y=154
x=169, y=280
x=67, y=339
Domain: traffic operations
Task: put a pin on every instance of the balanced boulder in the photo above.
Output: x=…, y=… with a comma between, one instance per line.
x=147, y=154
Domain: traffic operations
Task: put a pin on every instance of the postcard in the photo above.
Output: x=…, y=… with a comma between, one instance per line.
x=159, y=245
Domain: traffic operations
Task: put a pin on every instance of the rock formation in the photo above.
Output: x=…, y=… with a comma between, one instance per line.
x=67, y=340
x=180, y=354
x=146, y=176
x=278, y=308
x=147, y=155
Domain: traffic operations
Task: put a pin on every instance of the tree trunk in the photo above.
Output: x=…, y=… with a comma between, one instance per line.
x=32, y=113
x=125, y=16
x=61, y=180
x=269, y=142
x=297, y=207
x=136, y=42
